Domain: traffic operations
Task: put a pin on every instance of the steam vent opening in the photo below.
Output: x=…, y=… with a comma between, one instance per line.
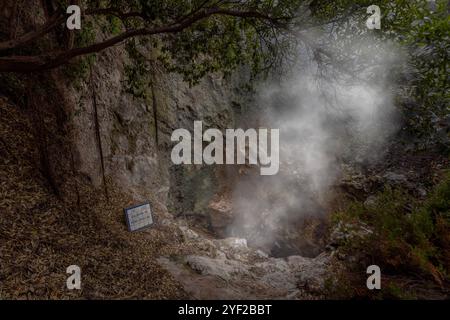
x=303, y=236
x=278, y=216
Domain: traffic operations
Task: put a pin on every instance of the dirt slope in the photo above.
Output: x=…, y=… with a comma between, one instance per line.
x=41, y=235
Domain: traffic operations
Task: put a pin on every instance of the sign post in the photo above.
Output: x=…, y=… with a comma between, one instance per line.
x=138, y=217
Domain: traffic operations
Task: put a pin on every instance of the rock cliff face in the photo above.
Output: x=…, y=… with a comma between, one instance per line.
x=90, y=116
x=135, y=132
x=135, y=135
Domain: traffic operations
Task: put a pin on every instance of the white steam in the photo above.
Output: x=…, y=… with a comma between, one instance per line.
x=327, y=116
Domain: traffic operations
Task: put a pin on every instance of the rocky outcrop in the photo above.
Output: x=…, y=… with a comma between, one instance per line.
x=89, y=105
x=135, y=132
x=229, y=269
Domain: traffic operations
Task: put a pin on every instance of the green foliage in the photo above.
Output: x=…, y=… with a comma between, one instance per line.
x=408, y=237
x=424, y=34
x=78, y=70
x=137, y=78
x=439, y=201
x=427, y=35
x=222, y=43
x=218, y=43
x=111, y=25
x=393, y=290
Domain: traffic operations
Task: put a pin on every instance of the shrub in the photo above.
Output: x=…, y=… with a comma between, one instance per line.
x=409, y=239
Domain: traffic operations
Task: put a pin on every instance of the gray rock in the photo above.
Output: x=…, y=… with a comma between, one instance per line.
x=261, y=254
x=370, y=201
x=188, y=234
x=395, y=178
x=221, y=268
x=344, y=232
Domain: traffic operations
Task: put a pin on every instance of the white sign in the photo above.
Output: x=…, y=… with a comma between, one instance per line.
x=139, y=217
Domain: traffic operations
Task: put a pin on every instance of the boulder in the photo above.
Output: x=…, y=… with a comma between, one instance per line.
x=221, y=268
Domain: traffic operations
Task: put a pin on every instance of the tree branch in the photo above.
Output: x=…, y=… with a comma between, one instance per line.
x=53, y=22
x=115, y=12
x=55, y=59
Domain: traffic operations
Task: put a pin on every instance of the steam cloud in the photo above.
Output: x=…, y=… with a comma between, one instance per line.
x=327, y=116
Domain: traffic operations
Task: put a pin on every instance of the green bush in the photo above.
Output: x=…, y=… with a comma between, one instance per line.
x=409, y=238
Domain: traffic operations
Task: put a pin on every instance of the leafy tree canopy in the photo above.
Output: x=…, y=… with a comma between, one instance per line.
x=193, y=37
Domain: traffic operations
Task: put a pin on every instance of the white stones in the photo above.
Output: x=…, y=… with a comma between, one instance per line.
x=346, y=231
x=261, y=254
x=280, y=280
x=235, y=243
x=245, y=270
x=220, y=255
x=221, y=268
x=295, y=261
x=188, y=234
x=395, y=178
